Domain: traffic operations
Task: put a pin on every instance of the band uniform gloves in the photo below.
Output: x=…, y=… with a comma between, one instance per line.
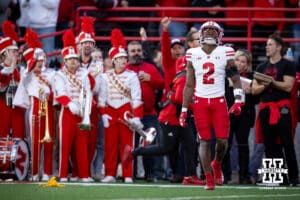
x=137, y=121
x=105, y=120
x=7, y=70
x=74, y=108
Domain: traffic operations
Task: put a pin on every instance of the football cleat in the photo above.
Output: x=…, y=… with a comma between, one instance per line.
x=210, y=184
x=192, y=180
x=217, y=170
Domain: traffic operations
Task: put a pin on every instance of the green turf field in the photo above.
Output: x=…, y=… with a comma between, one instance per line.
x=159, y=191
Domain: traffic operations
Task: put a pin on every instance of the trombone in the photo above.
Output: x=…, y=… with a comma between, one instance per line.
x=43, y=110
x=146, y=136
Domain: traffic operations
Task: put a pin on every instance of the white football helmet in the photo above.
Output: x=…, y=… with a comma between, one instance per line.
x=208, y=38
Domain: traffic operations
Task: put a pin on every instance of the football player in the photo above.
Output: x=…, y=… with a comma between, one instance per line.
x=207, y=68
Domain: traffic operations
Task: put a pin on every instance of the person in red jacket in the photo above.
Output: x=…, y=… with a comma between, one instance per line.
x=150, y=80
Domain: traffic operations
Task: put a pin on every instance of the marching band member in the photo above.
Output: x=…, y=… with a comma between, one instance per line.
x=95, y=68
x=70, y=84
x=96, y=146
x=12, y=117
x=34, y=93
x=120, y=92
x=86, y=41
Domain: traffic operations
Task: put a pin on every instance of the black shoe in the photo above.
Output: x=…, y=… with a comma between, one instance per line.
x=176, y=179
x=151, y=179
x=245, y=181
x=294, y=182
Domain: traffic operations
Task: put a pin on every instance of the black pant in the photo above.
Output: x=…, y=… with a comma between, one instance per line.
x=240, y=127
x=170, y=139
x=282, y=131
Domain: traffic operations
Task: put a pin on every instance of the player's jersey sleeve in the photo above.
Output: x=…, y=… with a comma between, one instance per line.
x=190, y=55
x=229, y=53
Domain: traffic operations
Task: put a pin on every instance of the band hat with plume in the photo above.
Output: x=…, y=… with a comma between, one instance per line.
x=87, y=33
x=118, y=43
x=34, y=53
x=69, y=50
x=32, y=40
x=9, y=41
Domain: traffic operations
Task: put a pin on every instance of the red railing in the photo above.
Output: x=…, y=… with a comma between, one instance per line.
x=249, y=21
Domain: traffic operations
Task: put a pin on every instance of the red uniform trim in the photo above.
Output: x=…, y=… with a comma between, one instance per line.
x=63, y=100
x=92, y=81
x=102, y=110
x=138, y=111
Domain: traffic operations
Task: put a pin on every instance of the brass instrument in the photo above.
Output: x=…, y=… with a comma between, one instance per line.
x=147, y=136
x=43, y=111
x=85, y=100
x=10, y=92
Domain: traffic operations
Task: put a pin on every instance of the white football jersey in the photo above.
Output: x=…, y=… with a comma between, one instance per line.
x=210, y=70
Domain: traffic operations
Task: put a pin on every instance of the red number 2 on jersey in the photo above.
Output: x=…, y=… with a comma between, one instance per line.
x=207, y=79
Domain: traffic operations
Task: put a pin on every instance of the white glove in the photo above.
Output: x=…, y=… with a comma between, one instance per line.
x=137, y=122
x=74, y=108
x=105, y=120
x=7, y=70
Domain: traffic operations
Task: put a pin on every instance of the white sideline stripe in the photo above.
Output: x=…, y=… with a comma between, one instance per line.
x=220, y=197
x=97, y=184
x=176, y=186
